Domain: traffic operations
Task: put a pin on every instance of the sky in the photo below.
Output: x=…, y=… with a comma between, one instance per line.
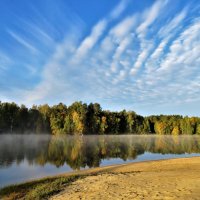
x=129, y=54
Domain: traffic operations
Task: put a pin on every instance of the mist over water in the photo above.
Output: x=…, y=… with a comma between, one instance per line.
x=24, y=157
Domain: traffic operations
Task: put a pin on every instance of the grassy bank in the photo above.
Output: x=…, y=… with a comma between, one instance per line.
x=38, y=189
x=47, y=187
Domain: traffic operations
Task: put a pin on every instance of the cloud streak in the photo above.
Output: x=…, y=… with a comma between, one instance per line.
x=88, y=43
x=23, y=42
x=140, y=58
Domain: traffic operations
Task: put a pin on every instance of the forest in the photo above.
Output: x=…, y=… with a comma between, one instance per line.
x=82, y=119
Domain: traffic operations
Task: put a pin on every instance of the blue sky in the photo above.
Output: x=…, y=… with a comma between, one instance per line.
x=129, y=54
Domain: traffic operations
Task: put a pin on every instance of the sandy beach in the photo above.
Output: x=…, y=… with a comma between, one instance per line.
x=165, y=179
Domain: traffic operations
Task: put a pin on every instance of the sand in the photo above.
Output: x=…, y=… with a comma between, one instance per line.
x=165, y=179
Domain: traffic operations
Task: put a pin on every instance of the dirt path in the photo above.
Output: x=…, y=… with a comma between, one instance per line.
x=167, y=179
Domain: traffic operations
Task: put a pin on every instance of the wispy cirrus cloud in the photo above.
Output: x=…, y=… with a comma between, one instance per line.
x=146, y=58
x=91, y=40
x=150, y=15
x=22, y=41
x=119, y=9
x=173, y=24
x=5, y=61
x=122, y=37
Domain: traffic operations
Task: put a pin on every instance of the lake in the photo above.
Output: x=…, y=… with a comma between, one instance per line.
x=26, y=157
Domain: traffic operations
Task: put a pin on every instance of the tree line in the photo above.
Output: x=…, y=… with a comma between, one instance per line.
x=80, y=118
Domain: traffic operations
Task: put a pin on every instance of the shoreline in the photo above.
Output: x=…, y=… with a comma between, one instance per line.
x=183, y=170
x=91, y=170
x=101, y=169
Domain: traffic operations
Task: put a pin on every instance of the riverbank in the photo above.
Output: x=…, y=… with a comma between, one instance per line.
x=165, y=179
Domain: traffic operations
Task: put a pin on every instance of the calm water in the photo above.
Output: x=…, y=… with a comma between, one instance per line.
x=25, y=157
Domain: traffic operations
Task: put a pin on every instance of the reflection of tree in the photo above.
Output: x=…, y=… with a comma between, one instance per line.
x=79, y=152
x=22, y=147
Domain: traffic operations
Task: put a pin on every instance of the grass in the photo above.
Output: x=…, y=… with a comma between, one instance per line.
x=37, y=190
x=43, y=188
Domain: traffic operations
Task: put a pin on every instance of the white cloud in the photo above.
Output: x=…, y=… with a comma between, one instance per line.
x=177, y=77
x=173, y=24
x=123, y=45
x=124, y=27
x=54, y=75
x=150, y=16
x=141, y=59
x=125, y=60
x=159, y=50
x=167, y=32
x=116, y=41
x=91, y=40
x=183, y=50
x=121, y=76
x=117, y=11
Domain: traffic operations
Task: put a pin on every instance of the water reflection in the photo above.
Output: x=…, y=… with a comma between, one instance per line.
x=87, y=151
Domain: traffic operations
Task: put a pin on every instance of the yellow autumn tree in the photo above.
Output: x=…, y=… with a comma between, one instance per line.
x=176, y=131
x=78, y=123
x=160, y=128
x=103, y=125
